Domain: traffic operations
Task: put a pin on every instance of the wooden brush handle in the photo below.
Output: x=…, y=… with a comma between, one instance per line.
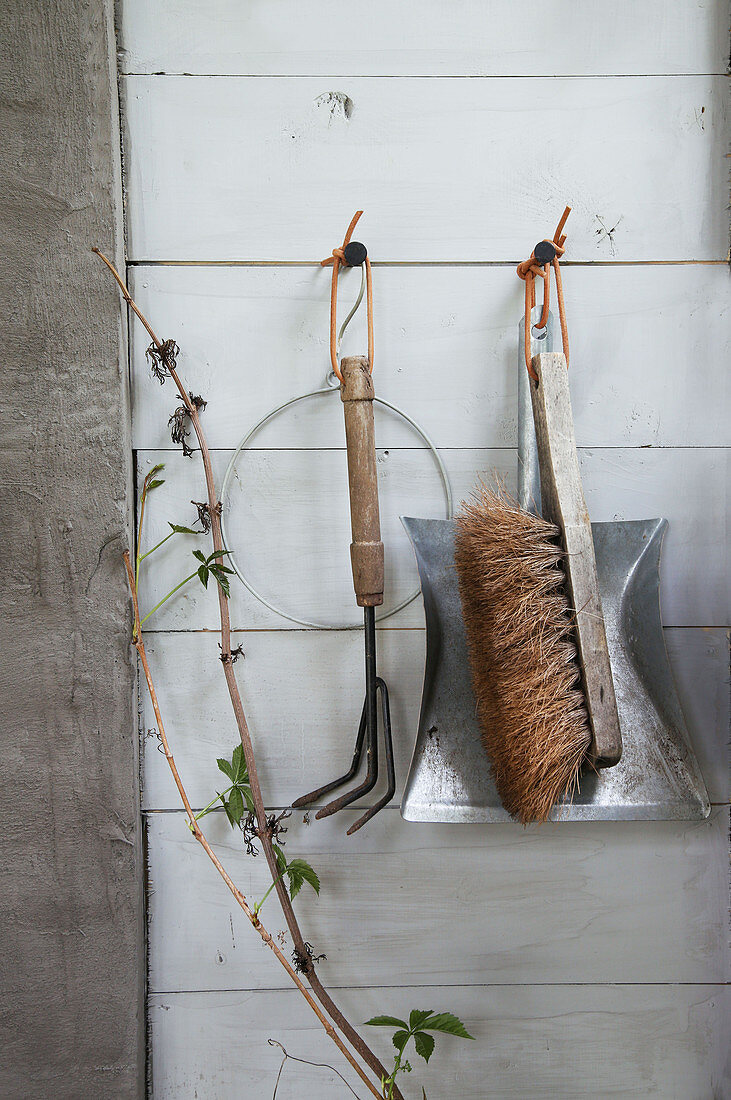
x=563, y=503
x=366, y=549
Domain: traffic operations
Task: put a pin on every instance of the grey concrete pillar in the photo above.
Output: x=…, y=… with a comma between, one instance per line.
x=71, y=913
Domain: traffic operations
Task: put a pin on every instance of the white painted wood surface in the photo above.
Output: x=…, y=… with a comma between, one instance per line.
x=542, y=1042
x=302, y=709
x=450, y=170
x=589, y=902
x=288, y=511
x=264, y=159
x=253, y=337
x=433, y=38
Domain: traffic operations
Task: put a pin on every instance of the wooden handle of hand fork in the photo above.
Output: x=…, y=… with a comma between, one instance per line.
x=366, y=549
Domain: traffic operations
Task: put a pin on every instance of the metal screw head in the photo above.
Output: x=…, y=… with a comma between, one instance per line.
x=355, y=254
x=544, y=252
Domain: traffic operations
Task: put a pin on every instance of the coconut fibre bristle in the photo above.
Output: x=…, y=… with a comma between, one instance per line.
x=524, y=668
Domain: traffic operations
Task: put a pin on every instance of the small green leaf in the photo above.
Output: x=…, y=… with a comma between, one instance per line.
x=154, y=484
x=200, y=556
x=299, y=872
x=236, y=804
x=248, y=799
x=178, y=530
x=418, y=1016
x=234, y=821
x=225, y=767
x=156, y=469
x=424, y=1044
x=217, y=554
x=203, y=576
x=238, y=763
x=399, y=1040
x=447, y=1022
x=386, y=1021
x=222, y=581
x=281, y=858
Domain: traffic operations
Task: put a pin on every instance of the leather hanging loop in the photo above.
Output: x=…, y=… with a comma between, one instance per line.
x=351, y=255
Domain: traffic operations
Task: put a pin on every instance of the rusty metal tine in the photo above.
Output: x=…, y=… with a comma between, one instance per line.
x=371, y=713
x=390, y=767
x=371, y=778
x=308, y=799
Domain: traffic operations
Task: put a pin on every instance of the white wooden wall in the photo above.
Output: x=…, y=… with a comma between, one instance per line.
x=588, y=959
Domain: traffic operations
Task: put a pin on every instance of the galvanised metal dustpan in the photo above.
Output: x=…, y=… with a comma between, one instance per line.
x=657, y=778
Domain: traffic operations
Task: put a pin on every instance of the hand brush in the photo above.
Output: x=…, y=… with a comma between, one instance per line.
x=530, y=603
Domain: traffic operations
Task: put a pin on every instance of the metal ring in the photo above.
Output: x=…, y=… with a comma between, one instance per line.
x=329, y=388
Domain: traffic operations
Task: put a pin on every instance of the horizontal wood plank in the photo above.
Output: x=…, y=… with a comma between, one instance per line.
x=227, y=168
x=287, y=518
x=649, y=348
x=566, y=903
x=436, y=39
x=540, y=1042
x=303, y=691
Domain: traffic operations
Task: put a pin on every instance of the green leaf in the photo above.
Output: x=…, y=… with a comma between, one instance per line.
x=178, y=530
x=248, y=799
x=156, y=469
x=216, y=554
x=200, y=556
x=225, y=767
x=424, y=1044
x=222, y=581
x=386, y=1021
x=400, y=1039
x=299, y=872
x=234, y=822
x=238, y=764
x=154, y=484
x=281, y=858
x=418, y=1016
x=236, y=804
x=445, y=1021
x=203, y=576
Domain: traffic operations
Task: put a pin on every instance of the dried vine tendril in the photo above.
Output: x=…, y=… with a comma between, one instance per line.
x=162, y=358
x=304, y=1061
x=303, y=959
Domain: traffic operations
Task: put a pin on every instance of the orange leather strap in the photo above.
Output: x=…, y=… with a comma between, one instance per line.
x=336, y=259
x=529, y=270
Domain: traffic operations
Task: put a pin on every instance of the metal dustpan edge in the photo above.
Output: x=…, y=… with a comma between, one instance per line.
x=658, y=777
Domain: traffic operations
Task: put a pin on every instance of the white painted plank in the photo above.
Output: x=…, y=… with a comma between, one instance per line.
x=294, y=527
x=648, y=345
x=289, y=511
x=540, y=1042
x=302, y=693
x=598, y=902
x=272, y=169
x=431, y=39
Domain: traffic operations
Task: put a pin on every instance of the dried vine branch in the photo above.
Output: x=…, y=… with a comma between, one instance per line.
x=164, y=356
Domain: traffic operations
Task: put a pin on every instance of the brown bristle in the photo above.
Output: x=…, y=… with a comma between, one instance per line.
x=524, y=669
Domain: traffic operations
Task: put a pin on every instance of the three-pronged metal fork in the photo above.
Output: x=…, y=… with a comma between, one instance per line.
x=366, y=553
